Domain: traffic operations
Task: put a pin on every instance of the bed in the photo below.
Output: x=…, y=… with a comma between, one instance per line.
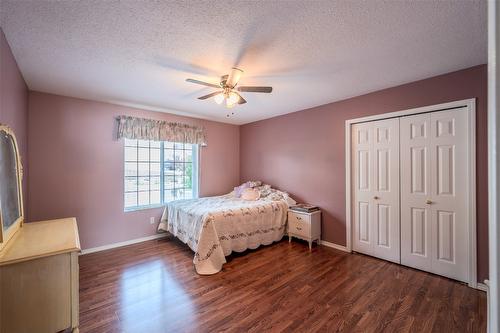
x=213, y=227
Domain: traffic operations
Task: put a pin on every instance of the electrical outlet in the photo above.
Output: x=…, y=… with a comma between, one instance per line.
x=151, y=220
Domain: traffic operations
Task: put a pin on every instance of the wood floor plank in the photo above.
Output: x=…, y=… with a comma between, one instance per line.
x=153, y=287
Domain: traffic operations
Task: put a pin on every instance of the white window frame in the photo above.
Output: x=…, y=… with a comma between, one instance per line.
x=195, y=180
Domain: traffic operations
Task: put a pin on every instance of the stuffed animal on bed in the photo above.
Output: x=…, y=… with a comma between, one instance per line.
x=238, y=191
x=250, y=194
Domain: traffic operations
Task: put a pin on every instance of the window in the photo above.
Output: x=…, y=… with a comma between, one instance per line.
x=158, y=172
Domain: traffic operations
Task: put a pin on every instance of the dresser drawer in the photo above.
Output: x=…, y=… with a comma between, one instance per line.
x=299, y=224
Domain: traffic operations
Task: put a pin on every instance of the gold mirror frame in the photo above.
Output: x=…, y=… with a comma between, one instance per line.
x=7, y=235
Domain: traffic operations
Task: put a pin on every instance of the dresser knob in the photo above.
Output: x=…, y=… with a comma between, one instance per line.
x=429, y=202
x=376, y=198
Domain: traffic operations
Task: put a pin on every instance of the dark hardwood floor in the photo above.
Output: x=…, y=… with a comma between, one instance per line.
x=152, y=287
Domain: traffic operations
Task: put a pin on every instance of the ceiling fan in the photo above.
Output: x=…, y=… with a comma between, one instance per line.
x=227, y=90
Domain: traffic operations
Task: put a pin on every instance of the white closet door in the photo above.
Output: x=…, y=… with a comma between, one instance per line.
x=450, y=239
x=376, y=188
x=415, y=191
x=434, y=176
x=363, y=192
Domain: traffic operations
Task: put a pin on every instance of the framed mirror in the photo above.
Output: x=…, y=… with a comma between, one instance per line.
x=11, y=197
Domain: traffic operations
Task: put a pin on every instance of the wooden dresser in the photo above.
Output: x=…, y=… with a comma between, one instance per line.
x=39, y=278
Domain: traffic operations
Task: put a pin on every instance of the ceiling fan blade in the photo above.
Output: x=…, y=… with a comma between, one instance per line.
x=234, y=77
x=209, y=95
x=241, y=100
x=203, y=83
x=256, y=89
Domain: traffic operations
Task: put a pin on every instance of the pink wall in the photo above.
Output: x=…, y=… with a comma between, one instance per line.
x=303, y=152
x=79, y=166
x=14, y=104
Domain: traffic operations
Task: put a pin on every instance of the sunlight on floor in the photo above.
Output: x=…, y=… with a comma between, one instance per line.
x=151, y=296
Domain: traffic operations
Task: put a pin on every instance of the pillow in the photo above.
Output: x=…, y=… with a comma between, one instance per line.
x=290, y=201
x=277, y=195
x=254, y=183
x=264, y=190
x=250, y=194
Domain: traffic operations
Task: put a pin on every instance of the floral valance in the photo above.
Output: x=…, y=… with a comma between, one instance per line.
x=159, y=130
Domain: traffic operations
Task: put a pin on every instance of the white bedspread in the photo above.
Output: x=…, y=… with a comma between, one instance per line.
x=213, y=227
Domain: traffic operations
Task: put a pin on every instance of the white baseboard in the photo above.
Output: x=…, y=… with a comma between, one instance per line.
x=483, y=286
x=334, y=246
x=120, y=244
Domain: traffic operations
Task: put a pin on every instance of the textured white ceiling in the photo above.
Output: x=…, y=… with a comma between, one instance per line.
x=311, y=52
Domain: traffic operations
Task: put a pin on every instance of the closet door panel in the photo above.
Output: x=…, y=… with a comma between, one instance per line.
x=419, y=225
x=385, y=230
x=415, y=190
x=362, y=135
x=375, y=153
x=434, y=228
x=449, y=142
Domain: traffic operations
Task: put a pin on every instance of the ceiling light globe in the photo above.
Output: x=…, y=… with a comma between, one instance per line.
x=229, y=104
x=219, y=98
x=233, y=98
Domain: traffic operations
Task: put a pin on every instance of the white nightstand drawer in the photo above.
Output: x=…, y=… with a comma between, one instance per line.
x=306, y=226
x=299, y=224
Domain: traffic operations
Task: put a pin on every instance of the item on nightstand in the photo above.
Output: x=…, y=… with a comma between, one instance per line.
x=306, y=208
x=306, y=226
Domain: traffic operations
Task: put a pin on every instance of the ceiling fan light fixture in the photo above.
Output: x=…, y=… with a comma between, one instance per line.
x=227, y=90
x=232, y=98
x=229, y=103
x=219, y=98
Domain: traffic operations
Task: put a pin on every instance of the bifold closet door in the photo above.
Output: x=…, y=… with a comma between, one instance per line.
x=375, y=162
x=434, y=176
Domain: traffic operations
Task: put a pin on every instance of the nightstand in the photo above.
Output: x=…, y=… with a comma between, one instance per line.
x=306, y=226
